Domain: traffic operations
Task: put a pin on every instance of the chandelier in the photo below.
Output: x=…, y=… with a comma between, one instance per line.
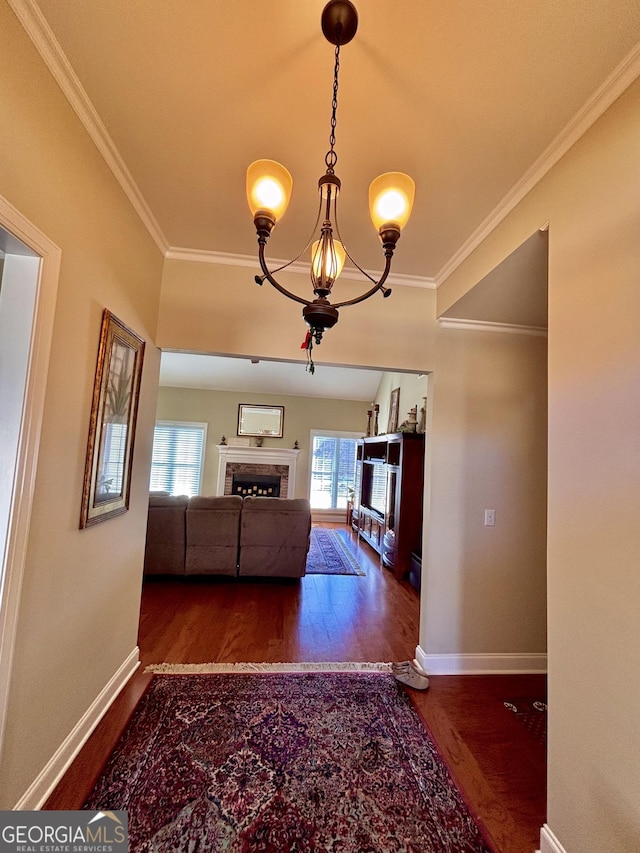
x=269, y=187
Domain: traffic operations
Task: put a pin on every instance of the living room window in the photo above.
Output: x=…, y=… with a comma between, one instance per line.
x=333, y=456
x=178, y=457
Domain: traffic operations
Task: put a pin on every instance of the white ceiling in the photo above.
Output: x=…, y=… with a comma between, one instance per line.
x=465, y=96
x=189, y=370
x=473, y=99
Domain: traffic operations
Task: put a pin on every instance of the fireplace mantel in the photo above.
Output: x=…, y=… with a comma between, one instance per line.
x=228, y=454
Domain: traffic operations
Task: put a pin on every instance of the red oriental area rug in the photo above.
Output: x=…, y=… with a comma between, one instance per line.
x=311, y=761
x=329, y=554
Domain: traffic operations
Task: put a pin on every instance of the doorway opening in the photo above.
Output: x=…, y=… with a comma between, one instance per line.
x=29, y=269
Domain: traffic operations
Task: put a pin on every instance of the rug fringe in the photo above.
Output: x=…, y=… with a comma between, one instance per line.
x=229, y=668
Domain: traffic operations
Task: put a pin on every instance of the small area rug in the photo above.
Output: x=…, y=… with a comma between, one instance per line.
x=329, y=554
x=282, y=761
x=532, y=713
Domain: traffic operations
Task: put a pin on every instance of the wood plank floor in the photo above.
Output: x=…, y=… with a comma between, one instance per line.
x=495, y=760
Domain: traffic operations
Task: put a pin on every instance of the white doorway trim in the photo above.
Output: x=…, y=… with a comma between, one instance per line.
x=13, y=559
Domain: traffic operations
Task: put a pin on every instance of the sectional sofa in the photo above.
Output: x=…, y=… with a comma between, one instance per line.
x=252, y=536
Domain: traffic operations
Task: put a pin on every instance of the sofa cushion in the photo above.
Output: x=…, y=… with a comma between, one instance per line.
x=274, y=536
x=164, y=551
x=213, y=525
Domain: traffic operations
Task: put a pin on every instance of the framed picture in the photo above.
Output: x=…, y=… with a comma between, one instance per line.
x=107, y=472
x=260, y=420
x=394, y=405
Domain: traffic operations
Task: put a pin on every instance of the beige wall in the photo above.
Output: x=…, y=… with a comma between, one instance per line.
x=80, y=600
x=219, y=410
x=80, y=597
x=413, y=389
x=220, y=309
x=591, y=199
x=485, y=587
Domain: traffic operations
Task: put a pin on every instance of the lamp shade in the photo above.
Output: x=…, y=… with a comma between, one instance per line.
x=327, y=256
x=269, y=188
x=391, y=199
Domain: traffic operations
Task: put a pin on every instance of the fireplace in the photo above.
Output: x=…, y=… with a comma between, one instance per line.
x=253, y=464
x=256, y=485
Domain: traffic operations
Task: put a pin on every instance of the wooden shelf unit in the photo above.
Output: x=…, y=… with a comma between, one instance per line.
x=388, y=496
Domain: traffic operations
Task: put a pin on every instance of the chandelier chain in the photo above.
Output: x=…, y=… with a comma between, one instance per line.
x=331, y=157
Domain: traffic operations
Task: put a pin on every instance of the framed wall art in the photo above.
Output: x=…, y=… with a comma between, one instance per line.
x=260, y=420
x=107, y=473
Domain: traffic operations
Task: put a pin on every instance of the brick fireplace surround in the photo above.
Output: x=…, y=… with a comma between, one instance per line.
x=256, y=460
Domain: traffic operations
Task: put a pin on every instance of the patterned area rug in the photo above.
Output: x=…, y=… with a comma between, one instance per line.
x=532, y=713
x=277, y=762
x=329, y=554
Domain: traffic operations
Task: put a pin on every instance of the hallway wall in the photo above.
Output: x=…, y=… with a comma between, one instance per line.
x=485, y=602
x=80, y=597
x=591, y=201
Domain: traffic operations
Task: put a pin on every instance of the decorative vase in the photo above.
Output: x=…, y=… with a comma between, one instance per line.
x=422, y=426
x=412, y=420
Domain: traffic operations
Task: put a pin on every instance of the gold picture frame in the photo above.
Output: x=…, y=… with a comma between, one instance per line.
x=114, y=409
x=394, y=407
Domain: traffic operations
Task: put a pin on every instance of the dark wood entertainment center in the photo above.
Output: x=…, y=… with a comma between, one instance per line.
x=388, y=497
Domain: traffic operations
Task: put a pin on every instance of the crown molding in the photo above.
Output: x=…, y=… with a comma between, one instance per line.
x=251, y=262
x=38, y=30
x=618, y=81
x=486, y=326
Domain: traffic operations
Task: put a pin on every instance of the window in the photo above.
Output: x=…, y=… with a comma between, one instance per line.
x=178, y=457
x=333, y=457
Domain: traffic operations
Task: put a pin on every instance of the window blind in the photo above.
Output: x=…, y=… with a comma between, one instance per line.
x=178, y=456
x=332, y=470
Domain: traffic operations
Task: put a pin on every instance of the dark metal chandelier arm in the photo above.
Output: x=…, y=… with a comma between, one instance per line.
x=271, y=279
x=377, y=286
x=299, y=255
x=346, y=251
x=355, y=263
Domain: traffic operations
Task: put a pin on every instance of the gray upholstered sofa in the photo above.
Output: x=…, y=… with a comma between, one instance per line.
x=166, y=535
x=267, y=537
x=212, y=528
x=274, y=537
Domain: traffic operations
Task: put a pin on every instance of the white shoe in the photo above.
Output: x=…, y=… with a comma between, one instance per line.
x=418, y=668
x=412, y=679
x=407, y=665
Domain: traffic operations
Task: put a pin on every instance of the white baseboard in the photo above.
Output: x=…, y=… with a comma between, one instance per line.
x=327, y=516
x=548, y=842
x=481, y=664
x=40, y=789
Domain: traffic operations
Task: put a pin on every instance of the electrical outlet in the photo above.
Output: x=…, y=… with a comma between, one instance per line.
x=489, y=517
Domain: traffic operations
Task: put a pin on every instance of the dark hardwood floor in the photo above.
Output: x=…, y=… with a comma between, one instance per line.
x=497, y=763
